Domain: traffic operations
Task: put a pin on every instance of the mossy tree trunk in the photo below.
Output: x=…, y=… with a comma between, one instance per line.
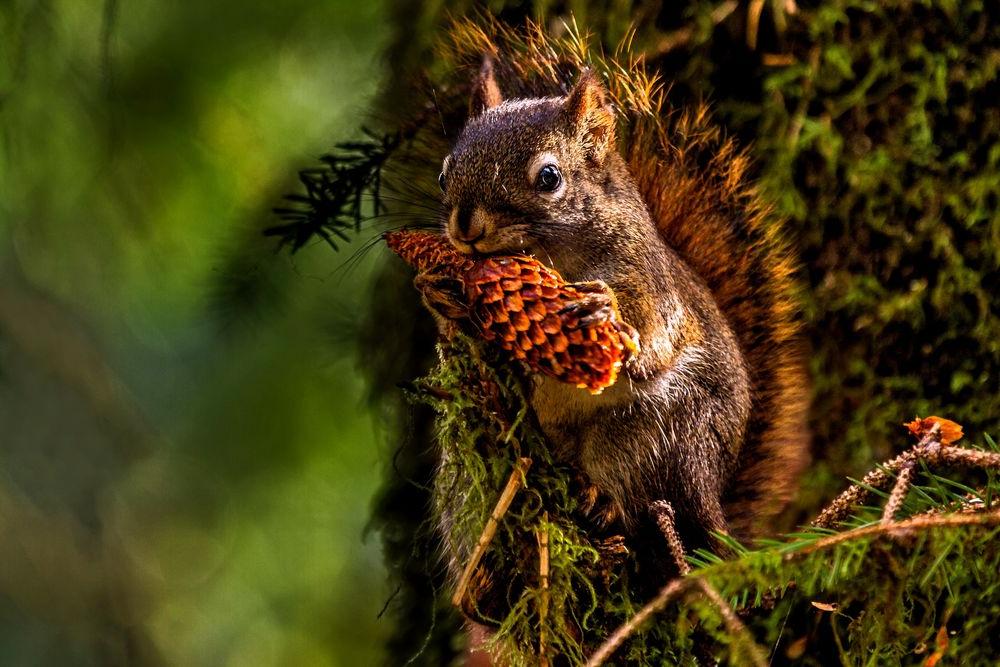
x=877, y=135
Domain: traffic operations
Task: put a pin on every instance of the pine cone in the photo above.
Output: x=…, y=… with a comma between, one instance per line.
x=528, y=310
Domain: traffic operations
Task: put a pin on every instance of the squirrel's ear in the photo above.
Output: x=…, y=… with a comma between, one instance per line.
x=588, y=112
x=485, y=91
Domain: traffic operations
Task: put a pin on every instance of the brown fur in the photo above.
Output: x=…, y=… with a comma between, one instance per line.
x=711, y=414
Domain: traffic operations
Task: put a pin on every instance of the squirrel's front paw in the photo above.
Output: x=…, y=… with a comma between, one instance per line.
x=444, y=296
x=596, y=303
x=612, y=554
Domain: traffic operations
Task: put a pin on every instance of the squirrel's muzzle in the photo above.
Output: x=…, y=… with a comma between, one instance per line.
x=467, y=225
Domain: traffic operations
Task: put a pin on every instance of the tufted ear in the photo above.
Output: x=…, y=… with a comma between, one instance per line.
x=588, y=113
x=485, y=91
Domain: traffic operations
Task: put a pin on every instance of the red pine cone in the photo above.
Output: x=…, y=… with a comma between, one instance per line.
x=528, y=310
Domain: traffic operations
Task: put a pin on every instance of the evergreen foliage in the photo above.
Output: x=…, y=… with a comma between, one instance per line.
x=333, y=202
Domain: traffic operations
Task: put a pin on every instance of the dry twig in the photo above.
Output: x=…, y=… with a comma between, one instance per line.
x=733, y=624
x=514, y=484
x=543, y=581
x=666, y=595
x=919, y=522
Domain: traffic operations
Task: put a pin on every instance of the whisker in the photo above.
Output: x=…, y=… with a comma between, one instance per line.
x=359, y=253
x=350, y=263
x=399, y=200
x=423, y=199
x=410, y=186
x=403, y=215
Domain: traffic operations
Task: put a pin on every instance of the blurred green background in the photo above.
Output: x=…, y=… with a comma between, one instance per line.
x=187, y=458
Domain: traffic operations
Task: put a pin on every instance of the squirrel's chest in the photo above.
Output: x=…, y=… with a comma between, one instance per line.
x=564, y=411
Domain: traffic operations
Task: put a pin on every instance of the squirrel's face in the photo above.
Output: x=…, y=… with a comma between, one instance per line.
x=524, y=175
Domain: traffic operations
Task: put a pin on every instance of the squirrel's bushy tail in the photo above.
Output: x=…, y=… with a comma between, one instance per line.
x=695, y=184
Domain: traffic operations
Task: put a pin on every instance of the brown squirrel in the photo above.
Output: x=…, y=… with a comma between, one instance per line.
x=709, y=416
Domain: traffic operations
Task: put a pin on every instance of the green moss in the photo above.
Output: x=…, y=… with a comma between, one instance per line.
x=925, y=578
x=483, y=429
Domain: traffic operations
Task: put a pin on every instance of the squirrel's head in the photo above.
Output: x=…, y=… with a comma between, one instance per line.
x=539, y=175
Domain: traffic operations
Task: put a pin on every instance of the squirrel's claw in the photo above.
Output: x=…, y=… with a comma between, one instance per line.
x=612, y=549
x=480, y=587
x=442, y=295
x=596, y=304
x=598, y=509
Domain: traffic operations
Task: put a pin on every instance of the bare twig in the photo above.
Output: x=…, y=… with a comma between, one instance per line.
x=543, y=582
x=666, y=595
x=514, y=484
x=899, y=491
x=733, y=624
x=920, y=522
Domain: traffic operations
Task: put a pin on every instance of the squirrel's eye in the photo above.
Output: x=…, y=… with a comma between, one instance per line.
x=548, y=179
x=441, y=181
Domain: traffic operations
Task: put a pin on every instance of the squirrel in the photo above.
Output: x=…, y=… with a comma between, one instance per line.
x=710, y=415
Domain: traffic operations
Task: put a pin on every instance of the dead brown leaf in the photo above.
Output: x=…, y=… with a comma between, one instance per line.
x=950, y=431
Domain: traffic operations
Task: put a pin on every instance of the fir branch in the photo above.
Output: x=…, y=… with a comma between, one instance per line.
x=332, y=205
x=911, y=525
x=930, y=450
x=874, y=481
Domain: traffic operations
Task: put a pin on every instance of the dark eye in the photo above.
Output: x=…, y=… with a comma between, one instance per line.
x=441, y=181
x=548, y=179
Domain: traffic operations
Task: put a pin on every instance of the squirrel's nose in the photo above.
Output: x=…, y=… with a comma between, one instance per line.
x=467, y=226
